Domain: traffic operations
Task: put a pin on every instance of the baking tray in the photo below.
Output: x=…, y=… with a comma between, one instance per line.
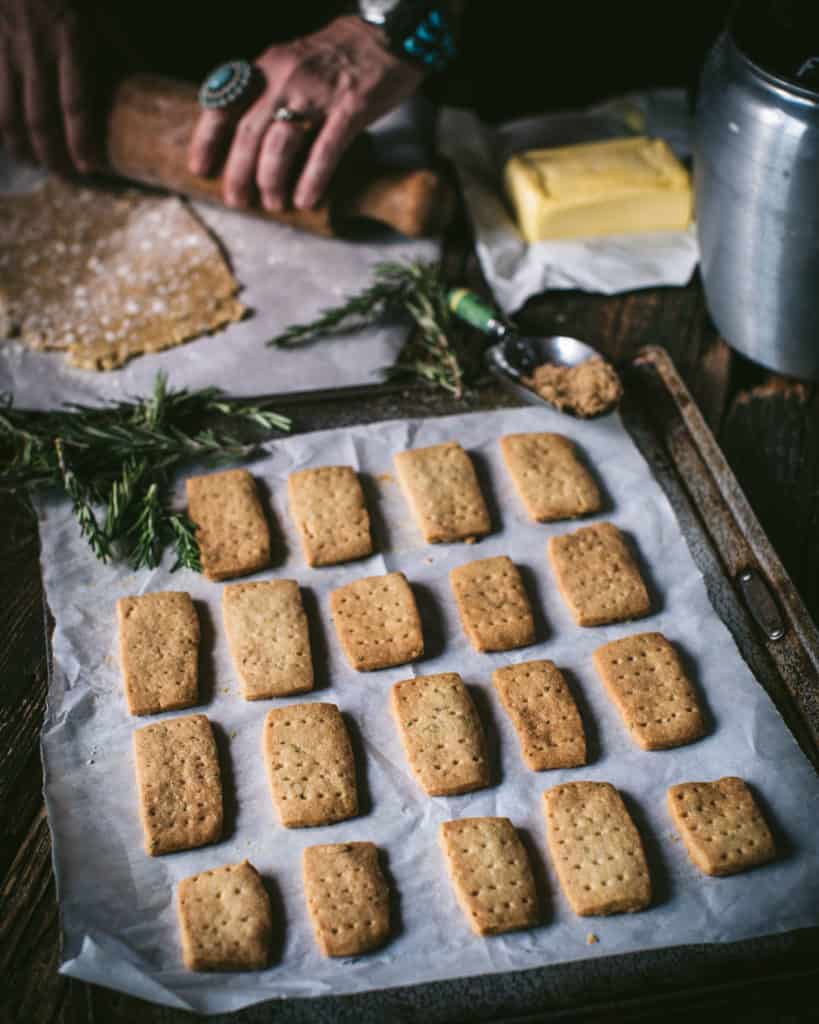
x=726, y=542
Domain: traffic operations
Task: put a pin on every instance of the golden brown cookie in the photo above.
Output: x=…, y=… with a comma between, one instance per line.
x=327, y=506
x=225, y=919
x=491, y=873
x=597, y=576
x=347, y=897
x=596, y=849
x=377, y=622
x=159, y=651
x=180, y=785
x=543, y=711
x=721, y=825
x=550, y=479
x=441, y=733
x=443, y=491
x=310, y=765
x=646, y=680
x=231, y=527
x=268, y=637
x=494, y=609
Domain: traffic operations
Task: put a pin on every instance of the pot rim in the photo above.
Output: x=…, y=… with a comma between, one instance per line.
x=786, y=85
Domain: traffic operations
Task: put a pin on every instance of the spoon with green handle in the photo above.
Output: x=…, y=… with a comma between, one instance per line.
x=515, y=354
x=514, y=357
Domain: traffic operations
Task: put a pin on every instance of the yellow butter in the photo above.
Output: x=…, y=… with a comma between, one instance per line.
x=615, y=187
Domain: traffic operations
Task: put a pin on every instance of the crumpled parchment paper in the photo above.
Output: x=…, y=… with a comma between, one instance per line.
x=117, y=903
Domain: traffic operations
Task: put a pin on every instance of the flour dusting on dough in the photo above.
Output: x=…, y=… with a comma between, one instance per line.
x=106, y=275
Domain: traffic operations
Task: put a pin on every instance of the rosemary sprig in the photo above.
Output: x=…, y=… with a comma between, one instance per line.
x=115, y=462
x=434, y=353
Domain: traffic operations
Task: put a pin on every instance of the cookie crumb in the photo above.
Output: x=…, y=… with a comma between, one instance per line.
x=591, y=939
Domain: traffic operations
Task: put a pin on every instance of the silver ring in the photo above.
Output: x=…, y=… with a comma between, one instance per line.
x=284, y=113
x=225, y=84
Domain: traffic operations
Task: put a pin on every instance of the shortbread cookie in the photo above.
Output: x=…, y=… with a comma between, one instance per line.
x=493, y=605
x=441, y=733
x=596, y=849
x=597, y=576
x=550, y=479
x=544, y=714
x=231, y=527
x=310, y=765
x=225, y=919
x=159, y=651
x=347, y=897
x=268, y=637
x=180, y=786
x=645, y=678
x=377, y=622
x=327, y=505
x=721, y=825
x=442, y=488
x=491, y=873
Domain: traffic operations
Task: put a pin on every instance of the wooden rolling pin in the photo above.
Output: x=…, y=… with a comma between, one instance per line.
x=150, y=124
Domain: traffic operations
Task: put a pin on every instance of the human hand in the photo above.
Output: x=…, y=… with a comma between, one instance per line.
x=341, y=78
x=46, y=102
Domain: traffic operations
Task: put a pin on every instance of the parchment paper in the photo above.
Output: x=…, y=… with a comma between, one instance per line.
x=516, y=270
x=117, y=903
x=288, y=276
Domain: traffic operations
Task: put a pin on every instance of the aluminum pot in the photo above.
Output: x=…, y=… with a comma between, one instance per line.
x=756, y=181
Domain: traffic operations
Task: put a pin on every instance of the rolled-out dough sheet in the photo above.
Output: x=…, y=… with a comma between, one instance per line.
x=107, y=274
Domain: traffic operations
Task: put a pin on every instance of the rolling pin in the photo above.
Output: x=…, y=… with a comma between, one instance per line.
x=150, y=123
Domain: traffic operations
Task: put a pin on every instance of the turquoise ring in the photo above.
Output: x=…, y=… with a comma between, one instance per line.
x=225, y=84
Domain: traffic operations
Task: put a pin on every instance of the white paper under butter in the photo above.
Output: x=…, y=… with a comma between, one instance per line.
x=117, y=903
x=516, y=270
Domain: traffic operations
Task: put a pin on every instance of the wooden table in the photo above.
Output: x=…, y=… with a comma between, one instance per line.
x=769, y=429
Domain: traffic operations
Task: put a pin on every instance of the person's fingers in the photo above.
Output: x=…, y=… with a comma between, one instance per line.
x=11, y=128
x=76, y=103
x=283, y=142
x=240, y=170
x=39, y=94
x=209, y=140
x=342, y=125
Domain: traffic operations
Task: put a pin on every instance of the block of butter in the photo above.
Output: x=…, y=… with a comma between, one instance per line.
x=615, y=187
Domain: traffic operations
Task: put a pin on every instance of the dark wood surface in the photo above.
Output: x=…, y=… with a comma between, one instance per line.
x=769, y=430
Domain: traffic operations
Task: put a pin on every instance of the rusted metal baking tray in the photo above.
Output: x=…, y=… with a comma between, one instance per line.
x=756, y=599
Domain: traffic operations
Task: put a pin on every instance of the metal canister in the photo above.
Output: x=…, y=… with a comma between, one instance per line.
x=756, y=179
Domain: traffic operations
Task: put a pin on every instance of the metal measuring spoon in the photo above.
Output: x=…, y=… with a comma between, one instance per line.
x=514, y=357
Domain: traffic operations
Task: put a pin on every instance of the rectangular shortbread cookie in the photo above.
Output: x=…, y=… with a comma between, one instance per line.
x=225, y=919
x=377, y=622
x=442, y=488
x=231, y=527
x=721, y=825
x=597, y=576
x=348, y=898
x=180, y=786
x=493, y=605
x=310, y=765
x=596, y=849
x=327, y=505
x=544, y=713
x=441, y=733
x=646, y=680
x=491, y=873
x=159, y=651
x=268, y=637
x=550, y=479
